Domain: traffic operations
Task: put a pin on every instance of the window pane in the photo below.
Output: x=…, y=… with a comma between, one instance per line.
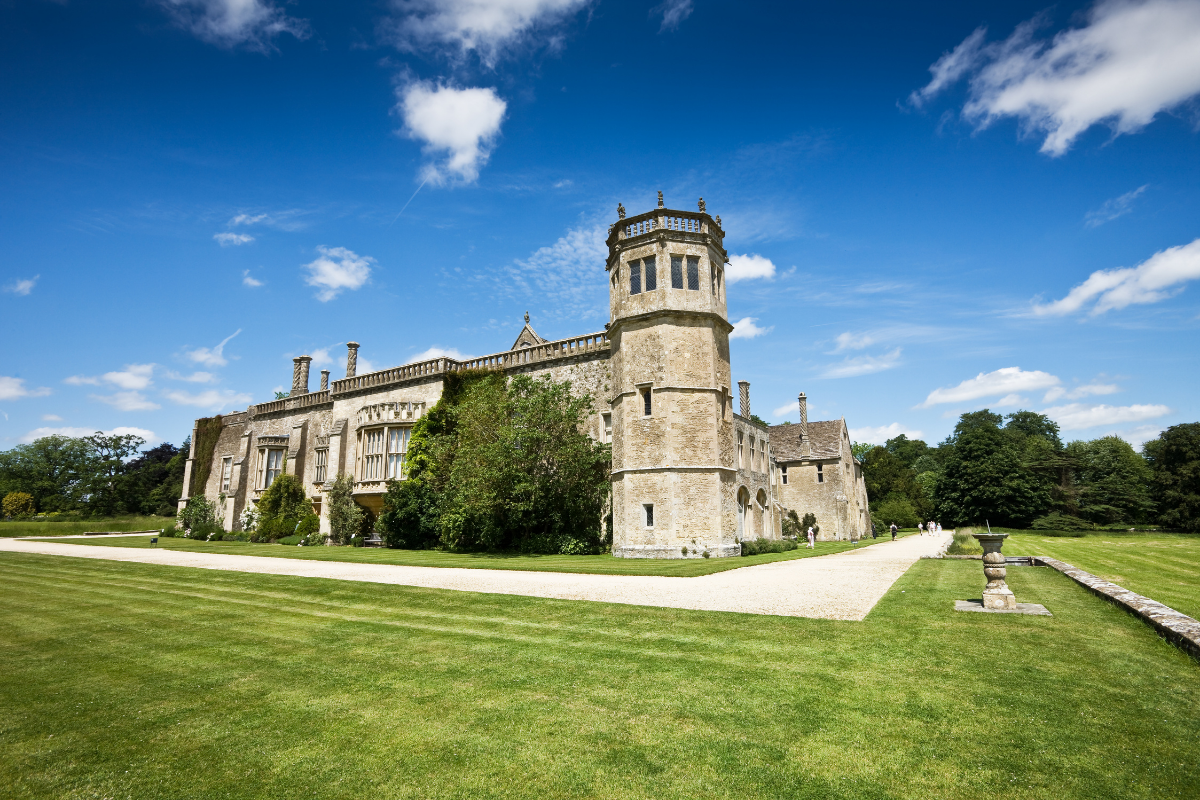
x=651, y=275
x=635, y=277
x=676, y=272
x=694, y=273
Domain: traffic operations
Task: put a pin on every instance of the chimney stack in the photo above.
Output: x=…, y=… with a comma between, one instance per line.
x=351, y=359
x=324, y=380
x=744, y=397
x=300, y=375
x=804, y=443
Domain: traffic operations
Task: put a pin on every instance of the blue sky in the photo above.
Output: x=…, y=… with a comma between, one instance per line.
x=932, y=209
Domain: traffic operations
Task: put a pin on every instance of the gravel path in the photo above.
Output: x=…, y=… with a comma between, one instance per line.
x=840, y=586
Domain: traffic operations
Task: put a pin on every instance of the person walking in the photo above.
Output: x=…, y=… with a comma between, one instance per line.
x=921, y=528
x=894, y=529
x=874, y=533
x=812, y=538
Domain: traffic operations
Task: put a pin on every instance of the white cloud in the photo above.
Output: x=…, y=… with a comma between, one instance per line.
x=134, y=376
x=14, y=389
x=745, y=328
x=1141, y=434
x=247, y=219
x=437, y=352
x=458, y=128
x=321, y=356
x=563, y=274
x=1087, y=390
x=748, y=267
x=51, y=418
x=1155, y=279
x=853, y=341
x=673, y=12
x=1006, y=381
x=38, y=433
x=1010, y=400
x=484, y=27
x=82, y=380
x=227, y=239
x=784, y=410
x=1077, y=416
x=22, y=286
x=1131, y=61
x=195, y=377
x=881, y=433
x=212, y=399
x=337, y=269
x=229, y=23
x=863, y=365
x=248, y=280
x=363, y=366
x=1111, y=209
x=127, y=401
x=214, y=357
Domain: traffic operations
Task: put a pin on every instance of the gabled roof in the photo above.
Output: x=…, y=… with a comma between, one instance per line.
x=824, y=440
x=528, y=337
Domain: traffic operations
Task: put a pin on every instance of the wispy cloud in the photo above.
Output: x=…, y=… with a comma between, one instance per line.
x=232, y=239
x=563, y=274
x=14, y=389
x=38, y=433
x=51, y=418
x=853, y=341
x=672, y=12
x=22, y=286
x=1131, y=61
x=1116, y=207
x=249, y=280
x=1078, y=416
x=336, y=270
x=786, y=409
x=1157, y=278
x=458, y=128
x=863, y=365
x=212, y=357
x=212, y=399
x=134, y=376
x=252, y=24
x=748, y=267
x=745, y=328
x=127, y=401
x=247, y=219
x=1005, y=381
x=195, y=377
x=437, y=352
x=290, y=219
x=1087, y=390
x=880, y=434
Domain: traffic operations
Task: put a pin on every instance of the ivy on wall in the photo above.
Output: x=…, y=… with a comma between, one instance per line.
x=208, y=430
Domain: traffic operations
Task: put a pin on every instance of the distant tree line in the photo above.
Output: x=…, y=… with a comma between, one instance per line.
x=98, y=475
x=1015, y=471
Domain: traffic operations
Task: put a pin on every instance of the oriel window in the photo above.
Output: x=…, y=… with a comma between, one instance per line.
x=651, y=274
x=635, y=277
x=676, y=272
x=693, y=273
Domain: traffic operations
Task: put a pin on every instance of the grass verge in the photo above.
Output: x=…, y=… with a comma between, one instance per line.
x=588, y=565
x=144, y=681
x=9, y=528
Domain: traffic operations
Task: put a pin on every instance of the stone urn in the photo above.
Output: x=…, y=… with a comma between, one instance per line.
x=996, y=594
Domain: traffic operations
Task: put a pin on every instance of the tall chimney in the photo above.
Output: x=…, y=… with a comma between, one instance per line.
x=324, y=380
x=744, y=397
x=300, y=375
x=805, y=449
x=351, y=359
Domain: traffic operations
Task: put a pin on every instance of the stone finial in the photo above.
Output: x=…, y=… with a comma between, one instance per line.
x=620, y=211
x=351, y=359
x=718, y=220
x=300, y=374
x=526, y=317
x=702, y=208
x=324, y=380
x=744, y=398
x=660, y=200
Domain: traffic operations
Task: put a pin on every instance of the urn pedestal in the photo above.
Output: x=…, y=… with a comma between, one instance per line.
x=996, y=595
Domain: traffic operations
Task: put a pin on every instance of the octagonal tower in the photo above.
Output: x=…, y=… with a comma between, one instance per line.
x=673, y=469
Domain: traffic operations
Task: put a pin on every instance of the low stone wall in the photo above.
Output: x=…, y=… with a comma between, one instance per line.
x=1179, y=629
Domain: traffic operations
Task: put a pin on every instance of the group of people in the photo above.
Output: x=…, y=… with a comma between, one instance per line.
x=931, y=528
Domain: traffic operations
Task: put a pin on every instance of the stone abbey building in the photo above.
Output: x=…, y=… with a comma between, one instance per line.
x=690, y=476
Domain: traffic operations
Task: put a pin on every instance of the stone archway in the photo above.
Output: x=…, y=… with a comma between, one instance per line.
x=760, y=513
x=743, y=504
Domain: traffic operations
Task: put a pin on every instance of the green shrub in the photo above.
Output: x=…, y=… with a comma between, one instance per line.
x=236, y=536
x=292, y=540
x=346, y=517
x=285, y=497
x=755, y=547
x=19, y=505
x=315, y=539
x=1060, y=522
x=198, y=512
x=964, y=544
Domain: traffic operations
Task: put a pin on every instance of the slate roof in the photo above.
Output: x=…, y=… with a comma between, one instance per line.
x=823, y=441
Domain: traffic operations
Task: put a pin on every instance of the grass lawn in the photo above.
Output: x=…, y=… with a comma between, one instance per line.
x=1162, y=566
x=592, y=565
x=113, y=524
x=130, y=680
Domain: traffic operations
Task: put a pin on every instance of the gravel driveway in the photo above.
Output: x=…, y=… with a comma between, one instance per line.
x=841, y=586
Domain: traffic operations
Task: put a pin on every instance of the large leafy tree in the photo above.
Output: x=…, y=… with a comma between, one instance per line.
x=109, y=454
x=1174, y=458
x=56, y=470
x=1112, y=482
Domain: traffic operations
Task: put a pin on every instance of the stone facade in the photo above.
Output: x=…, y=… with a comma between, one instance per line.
x=690, y=477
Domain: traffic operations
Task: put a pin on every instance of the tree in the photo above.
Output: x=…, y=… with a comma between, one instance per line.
x=55, y=470
x=1112, y=482
x=907, y=450
x=108, y=457
x=860, y=449
x=19, y=505
x=153, y=482
x=1174, y=459
x=345, y=516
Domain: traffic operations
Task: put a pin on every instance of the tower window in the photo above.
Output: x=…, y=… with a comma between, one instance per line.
x=226, y=473
x=820, y=473
x=606, y=425
x=649, y=509
x=651, y=274
x=741, y=455
x=676, y=272
x=635, y=277
x=647, y=402
x=694, y=273
x=712, y=277
x=783, y=473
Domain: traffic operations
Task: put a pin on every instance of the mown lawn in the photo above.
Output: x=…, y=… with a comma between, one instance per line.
x=113, y=524
x=591, y=565
x=129, y=680
x=1161, y=566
